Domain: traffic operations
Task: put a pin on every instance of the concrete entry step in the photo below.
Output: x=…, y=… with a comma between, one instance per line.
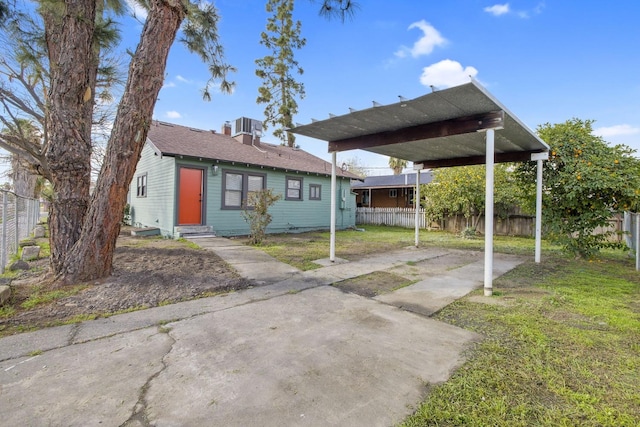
x=192, y=230
x=198, y=235
x=146, y=231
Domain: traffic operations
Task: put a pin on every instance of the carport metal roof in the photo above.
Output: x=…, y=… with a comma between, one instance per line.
x=439, y=129
x=450, y=127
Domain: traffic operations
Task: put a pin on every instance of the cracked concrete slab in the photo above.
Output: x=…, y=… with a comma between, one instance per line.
x=319, y=357
x=96, y=383
x=292, y=353
x=314, y=357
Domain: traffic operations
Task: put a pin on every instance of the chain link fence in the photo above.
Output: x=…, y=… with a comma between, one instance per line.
x=19, y=216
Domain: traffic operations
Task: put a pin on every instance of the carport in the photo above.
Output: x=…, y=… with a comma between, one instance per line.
x=459, y=126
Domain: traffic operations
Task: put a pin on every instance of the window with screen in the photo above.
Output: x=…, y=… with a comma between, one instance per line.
x=255, y=183
x=294, y=188
x=238, y=185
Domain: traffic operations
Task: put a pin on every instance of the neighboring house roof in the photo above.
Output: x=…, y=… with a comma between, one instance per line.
x=173, y=140
x=393, y=181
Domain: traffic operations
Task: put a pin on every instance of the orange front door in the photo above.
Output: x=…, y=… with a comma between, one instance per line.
x=190, y=195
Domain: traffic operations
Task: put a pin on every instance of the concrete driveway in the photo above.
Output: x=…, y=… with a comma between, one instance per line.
x=294, y=352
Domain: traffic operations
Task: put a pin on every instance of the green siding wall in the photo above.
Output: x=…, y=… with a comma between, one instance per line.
x=158, y=209
x=287, y=215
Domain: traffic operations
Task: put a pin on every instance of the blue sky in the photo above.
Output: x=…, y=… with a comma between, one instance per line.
x=547, y=61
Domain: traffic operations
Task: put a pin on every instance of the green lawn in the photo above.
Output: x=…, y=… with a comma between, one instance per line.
x=561, y=342
x=564, y=351
x=300, y=250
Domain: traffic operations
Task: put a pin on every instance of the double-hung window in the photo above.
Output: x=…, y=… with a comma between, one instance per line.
x=255, y=183
x=141, y=186
x=315, y=192
x=294, y=188
x=237, y=186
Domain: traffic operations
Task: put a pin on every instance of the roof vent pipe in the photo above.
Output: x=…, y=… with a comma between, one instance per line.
x=256, y=133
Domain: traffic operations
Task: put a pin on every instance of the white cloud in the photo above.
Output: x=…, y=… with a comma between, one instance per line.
x=617, y=130
x=431, y=38
x=447, y=73
x=497, y=9
x=504, y=9
x=173, y=115
x=182, y=79
x=169, y=84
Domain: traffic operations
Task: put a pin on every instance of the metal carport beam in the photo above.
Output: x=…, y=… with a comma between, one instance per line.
x=457, y=126
x=521, y=156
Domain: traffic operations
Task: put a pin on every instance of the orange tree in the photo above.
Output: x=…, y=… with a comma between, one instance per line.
x=462, y=190
x=586, y=181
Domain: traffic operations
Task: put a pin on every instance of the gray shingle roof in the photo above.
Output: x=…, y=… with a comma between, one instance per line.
x=174, y=140
x=393, y=181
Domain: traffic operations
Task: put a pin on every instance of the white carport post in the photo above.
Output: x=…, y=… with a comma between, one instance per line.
x=488, y=215
x=539, y=157
x=416, y=201
x=332, y=247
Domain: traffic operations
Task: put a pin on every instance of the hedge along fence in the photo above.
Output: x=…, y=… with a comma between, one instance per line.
x=19, y=216
x=515, y=224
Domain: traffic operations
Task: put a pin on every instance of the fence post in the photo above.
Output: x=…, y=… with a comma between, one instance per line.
x=3, y=249
x=637, y=239
x=17, y=223
x=29, y=217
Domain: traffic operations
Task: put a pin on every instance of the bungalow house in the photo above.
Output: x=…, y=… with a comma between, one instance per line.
x=388, y=191
x=193, y=181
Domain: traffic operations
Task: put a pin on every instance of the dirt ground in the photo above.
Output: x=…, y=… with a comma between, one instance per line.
x=148, y=272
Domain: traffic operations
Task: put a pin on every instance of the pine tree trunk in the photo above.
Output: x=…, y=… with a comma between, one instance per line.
x=69, y=30
x=92, y=255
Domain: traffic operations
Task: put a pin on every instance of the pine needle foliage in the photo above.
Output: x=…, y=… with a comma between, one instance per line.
x=278, y=70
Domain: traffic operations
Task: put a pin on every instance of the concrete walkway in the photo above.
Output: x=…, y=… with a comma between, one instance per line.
x=290, y=352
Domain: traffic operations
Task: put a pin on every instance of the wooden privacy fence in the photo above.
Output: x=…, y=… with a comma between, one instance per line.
x=516, y=224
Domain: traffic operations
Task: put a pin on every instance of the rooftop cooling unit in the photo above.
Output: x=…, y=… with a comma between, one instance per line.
x=247, y=125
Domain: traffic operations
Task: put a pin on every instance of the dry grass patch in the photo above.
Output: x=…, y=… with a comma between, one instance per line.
x=373, y=284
